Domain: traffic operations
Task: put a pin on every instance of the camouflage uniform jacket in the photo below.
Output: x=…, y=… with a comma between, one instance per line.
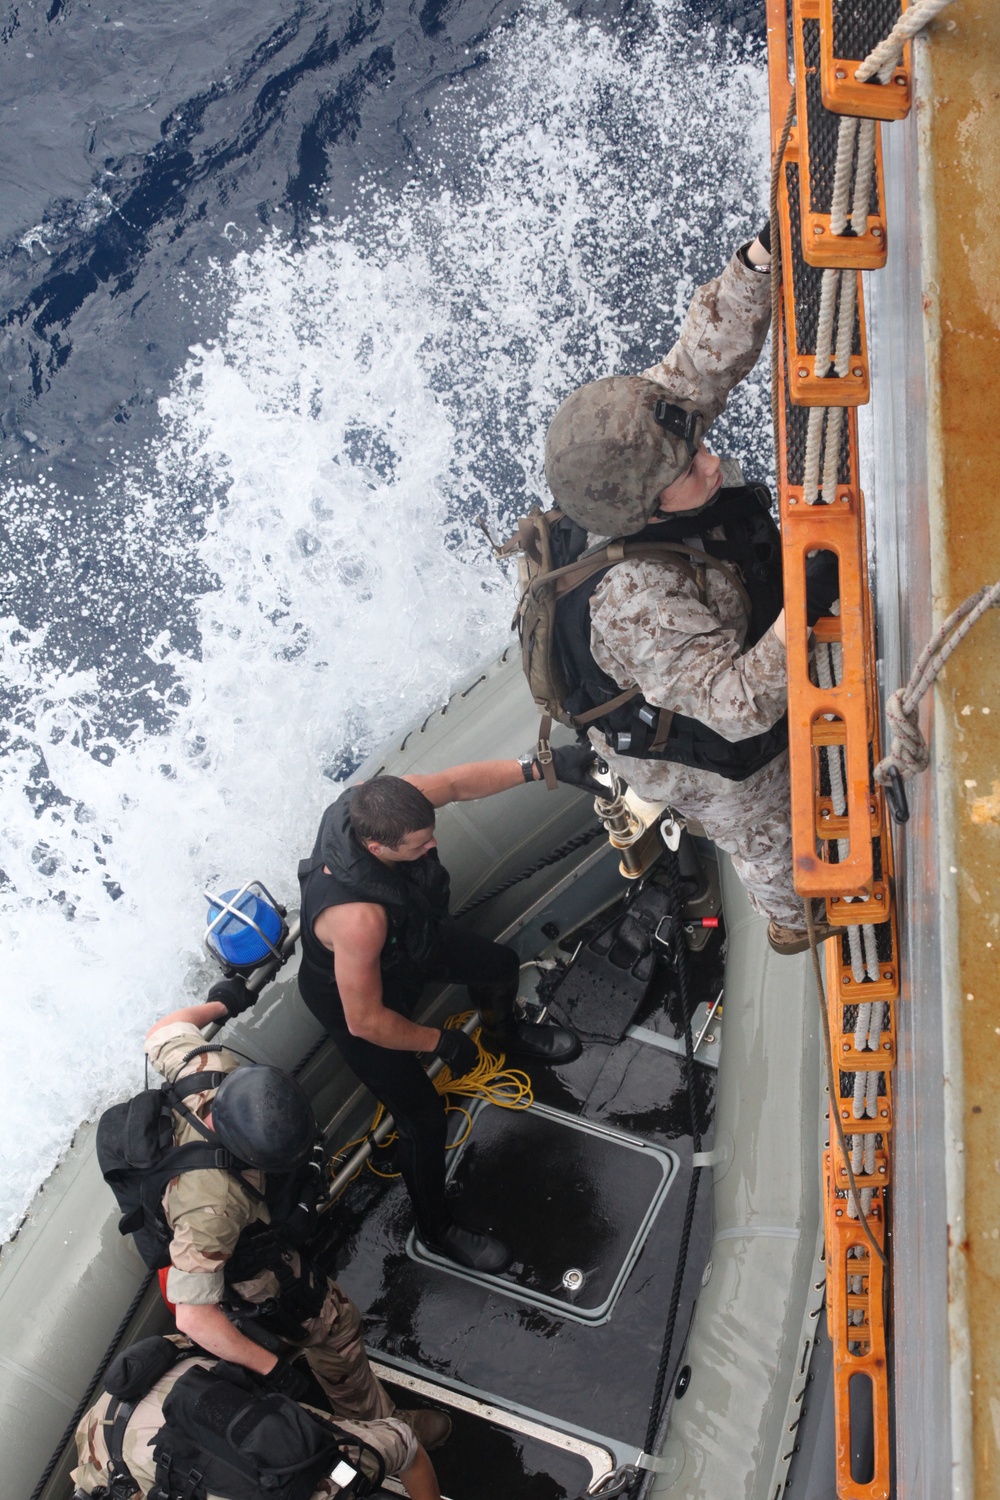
x=389, y=1436
x=648, y=624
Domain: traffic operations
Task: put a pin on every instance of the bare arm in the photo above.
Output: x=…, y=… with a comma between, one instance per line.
x=420, y=1480
x=193, y=1015
x=209, y=1327
x=355, y=934
x=477, y=778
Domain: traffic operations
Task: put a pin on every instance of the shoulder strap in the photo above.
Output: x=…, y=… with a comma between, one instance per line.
x=122, y=1484
x=194, y=1083
x=562, y=581
x=219, y=1156
x=532, y=536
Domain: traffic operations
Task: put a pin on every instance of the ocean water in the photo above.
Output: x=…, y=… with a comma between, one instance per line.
x=288, y=299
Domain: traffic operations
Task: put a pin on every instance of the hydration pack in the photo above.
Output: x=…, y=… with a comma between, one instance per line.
x=558, y=575
x=137, y=1157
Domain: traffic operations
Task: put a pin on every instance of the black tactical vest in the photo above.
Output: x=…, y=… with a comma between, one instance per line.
x=414, y=894
x=752, y=548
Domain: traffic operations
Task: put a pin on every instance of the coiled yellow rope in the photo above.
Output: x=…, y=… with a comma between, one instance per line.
x=507, y=1088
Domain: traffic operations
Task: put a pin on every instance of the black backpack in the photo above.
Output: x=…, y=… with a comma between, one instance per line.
x=137, y=1157
x=223, y=1435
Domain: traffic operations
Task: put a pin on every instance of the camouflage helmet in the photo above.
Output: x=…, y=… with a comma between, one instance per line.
x=613, y=447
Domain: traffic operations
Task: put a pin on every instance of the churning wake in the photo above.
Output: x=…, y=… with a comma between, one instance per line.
x=307, y=512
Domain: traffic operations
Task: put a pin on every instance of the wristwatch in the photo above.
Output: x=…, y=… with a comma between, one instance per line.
x=527, y=764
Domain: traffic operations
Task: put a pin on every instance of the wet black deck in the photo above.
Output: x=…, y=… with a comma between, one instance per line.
x=483, y=1461
x=578, y=1207
x=598, y=1377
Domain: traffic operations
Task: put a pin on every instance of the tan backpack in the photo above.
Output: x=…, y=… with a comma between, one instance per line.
x=543, y=584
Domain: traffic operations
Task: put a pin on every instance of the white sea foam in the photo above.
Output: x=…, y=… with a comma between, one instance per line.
x=366, y=396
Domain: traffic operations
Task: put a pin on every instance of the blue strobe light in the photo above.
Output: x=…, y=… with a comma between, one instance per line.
x=245, y=927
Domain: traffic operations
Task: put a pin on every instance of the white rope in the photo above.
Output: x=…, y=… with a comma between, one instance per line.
x=871, y=950
x=857, y=1152
x=883, y=58
x=863, y=173
x=831, y=452
x=825, y=423
x=828, y=674
x=814, y=443
x=871, y=1095
x=858, y=1102
x=824, y=321
x=846, y=136
x=846, y=314
x=908, y=751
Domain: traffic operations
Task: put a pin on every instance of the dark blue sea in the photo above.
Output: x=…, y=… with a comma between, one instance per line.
x=289, y=293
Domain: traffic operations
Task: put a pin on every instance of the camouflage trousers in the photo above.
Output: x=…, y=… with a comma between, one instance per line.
x=335, y=1352
x=750, y=820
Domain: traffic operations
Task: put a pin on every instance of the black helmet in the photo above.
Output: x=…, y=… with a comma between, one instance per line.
x=263, y=1116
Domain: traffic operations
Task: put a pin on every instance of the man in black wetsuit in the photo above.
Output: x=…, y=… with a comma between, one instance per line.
x=375, y=930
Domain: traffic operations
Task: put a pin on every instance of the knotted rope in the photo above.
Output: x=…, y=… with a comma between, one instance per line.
x=909, y=752
x=883, y=58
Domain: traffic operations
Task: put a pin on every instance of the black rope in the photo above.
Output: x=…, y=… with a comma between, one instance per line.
x=579, y=842
x=672, y=866
x=119, y=1334
x=316, y=1047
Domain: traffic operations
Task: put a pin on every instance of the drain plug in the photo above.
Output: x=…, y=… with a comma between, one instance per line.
x=572, y=1279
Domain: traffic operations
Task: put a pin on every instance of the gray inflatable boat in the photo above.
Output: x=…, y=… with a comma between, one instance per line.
x=639, y=1189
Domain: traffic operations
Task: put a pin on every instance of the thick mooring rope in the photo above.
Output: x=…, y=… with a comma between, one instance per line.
x=909, y=752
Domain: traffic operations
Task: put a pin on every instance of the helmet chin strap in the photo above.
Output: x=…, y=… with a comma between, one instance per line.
x=679, y=515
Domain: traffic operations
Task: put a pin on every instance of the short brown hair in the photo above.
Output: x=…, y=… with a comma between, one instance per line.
x=387, y=808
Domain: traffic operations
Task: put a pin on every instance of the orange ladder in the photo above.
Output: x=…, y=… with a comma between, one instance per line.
x=842, y=848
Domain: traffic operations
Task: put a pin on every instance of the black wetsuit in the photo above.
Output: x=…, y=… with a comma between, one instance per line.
x=422, y=946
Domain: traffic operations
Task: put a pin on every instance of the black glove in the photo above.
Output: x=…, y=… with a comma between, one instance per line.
x=233, y=993
x=573, y=765
x=822, y=584
x=765, y=236
x=290, y=1379
x=459, y=1051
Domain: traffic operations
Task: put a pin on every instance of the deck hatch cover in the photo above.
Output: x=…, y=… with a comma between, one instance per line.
x=563, y=1193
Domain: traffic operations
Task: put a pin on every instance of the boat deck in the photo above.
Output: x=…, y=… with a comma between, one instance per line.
x=593, y=1179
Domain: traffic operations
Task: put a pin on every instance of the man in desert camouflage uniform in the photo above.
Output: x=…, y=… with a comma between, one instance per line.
x=623, y=453
x=224, y=1247
x=391, y=1438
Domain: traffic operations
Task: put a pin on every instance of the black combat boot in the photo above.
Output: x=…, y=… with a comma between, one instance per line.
x=543, y=1041
x=472, y=1248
